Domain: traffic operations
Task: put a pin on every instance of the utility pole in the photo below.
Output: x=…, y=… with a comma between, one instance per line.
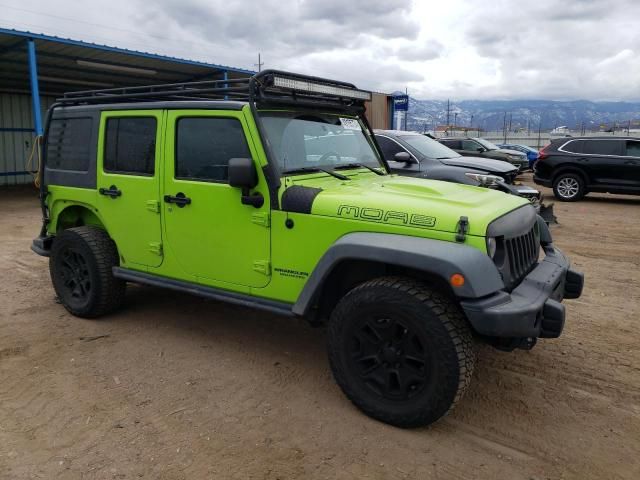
x=406, y=114
x=448, y=112
x=455, y=119
x=539, y=130
x=504, y=127
x=471, y=123
x=628, y=127
x=259, y=64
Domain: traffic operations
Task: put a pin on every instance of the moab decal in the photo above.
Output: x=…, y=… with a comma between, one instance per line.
x=389, y=216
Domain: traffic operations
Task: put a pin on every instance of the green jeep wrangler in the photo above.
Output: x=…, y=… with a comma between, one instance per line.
x=270, y=192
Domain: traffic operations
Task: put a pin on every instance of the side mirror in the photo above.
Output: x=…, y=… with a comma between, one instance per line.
x=403, y=157
x=480, y=149
x=243, y=175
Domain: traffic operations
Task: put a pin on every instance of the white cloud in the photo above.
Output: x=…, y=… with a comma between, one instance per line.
x=458, y=49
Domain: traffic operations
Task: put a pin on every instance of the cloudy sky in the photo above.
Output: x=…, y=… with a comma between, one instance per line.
x=462, y=49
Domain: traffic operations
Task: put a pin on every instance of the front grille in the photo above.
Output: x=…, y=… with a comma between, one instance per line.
x=521, y=255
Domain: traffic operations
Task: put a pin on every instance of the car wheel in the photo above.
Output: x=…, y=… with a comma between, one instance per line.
x=569, y=187
x=401, y=352
x=81, y=265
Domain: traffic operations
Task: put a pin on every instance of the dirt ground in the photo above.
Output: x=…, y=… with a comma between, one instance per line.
x=177, y=387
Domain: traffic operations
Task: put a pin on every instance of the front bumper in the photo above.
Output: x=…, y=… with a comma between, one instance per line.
x=533, y=308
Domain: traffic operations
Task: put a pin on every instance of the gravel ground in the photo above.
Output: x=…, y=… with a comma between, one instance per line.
x=175, y=387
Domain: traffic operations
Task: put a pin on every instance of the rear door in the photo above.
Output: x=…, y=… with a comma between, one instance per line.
x=129, y=186
x=631, y=161
x=605, y=161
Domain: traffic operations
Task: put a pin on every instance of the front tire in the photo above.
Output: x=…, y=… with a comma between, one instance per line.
x=81, y=265
x=401, y=351
x=569, y=187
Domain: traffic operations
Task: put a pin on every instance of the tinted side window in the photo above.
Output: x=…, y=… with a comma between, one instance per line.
x=574, y=146
x=633, y=148
x=603, y=147
x=68, y=145
x=470, y=145
x=204, y=147
x=130, y=145
x=454, y=144
x=389, y=147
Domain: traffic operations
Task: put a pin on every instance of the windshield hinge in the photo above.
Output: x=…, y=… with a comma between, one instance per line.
x=261, y=219
x=262, y=266
x=462, y=229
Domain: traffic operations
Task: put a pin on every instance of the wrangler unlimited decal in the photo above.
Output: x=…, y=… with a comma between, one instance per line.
x=389, y=216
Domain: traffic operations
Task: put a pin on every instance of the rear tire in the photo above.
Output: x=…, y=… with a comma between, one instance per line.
x=401, y=351
x=569, y=187
x=81, y=265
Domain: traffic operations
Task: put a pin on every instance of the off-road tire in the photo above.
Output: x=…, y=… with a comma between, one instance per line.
x=421, y=310
x=566, y=183
x=80, y=265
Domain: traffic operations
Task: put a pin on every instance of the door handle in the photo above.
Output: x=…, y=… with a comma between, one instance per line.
x=180, y=199
x=112, y=192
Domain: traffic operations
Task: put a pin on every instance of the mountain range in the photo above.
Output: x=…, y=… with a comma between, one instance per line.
x=491, y=115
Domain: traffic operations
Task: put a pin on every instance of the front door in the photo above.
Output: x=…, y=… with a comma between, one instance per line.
x=211, y=235
x=129, y=186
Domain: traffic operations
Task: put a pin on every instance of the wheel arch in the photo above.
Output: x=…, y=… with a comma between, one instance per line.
x=75, y=215
x=570, y=169
x=358, y=257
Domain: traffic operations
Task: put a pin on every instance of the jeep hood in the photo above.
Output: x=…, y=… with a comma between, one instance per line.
x=399, y=200
x=488, y=165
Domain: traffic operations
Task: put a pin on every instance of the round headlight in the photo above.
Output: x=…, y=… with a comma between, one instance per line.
x=491, y=246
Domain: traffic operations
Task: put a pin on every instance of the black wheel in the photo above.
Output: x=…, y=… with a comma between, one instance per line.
x=569, y=187
x=80, y=265
x=401, y=352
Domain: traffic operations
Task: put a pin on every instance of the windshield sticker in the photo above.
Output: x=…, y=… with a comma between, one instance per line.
x=350, y=124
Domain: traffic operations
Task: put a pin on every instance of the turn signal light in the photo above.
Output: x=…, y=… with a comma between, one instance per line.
x=456, y=280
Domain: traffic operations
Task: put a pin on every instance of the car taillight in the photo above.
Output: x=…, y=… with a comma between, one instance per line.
x=541, y=154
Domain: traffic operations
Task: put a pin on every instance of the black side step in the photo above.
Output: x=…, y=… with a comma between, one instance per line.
x=280, y=308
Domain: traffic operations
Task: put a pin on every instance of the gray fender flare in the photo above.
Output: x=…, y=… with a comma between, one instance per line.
x=436, y=257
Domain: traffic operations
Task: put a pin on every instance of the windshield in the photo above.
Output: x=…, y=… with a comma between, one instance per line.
x=486, y=144
x=428, y=147
x=317, y=141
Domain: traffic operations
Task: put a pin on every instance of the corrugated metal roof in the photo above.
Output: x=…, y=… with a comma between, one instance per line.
x=66, y=65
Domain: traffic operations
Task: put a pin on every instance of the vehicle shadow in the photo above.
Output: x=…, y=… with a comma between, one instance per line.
x=619, y=200
x=270, y=342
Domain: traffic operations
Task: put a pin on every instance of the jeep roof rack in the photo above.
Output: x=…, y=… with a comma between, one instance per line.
x=267, y=87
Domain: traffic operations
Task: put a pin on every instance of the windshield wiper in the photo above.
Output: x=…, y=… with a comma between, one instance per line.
x=317, y=169
x=360, y=165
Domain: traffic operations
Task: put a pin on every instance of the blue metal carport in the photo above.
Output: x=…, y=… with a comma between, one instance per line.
x=37, y=68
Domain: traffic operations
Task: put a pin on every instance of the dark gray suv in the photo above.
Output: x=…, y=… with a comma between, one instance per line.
x=416, y=155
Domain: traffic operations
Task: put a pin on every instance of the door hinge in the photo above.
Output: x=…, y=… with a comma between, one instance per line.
x=262, y=266
x=155, y=247
x=261, y=219
x=153, y=206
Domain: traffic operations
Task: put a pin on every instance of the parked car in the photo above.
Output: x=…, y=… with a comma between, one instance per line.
x=479, y=147
x=416, y=155
x=530, y=152
x=279, y=200
x=574, y=167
